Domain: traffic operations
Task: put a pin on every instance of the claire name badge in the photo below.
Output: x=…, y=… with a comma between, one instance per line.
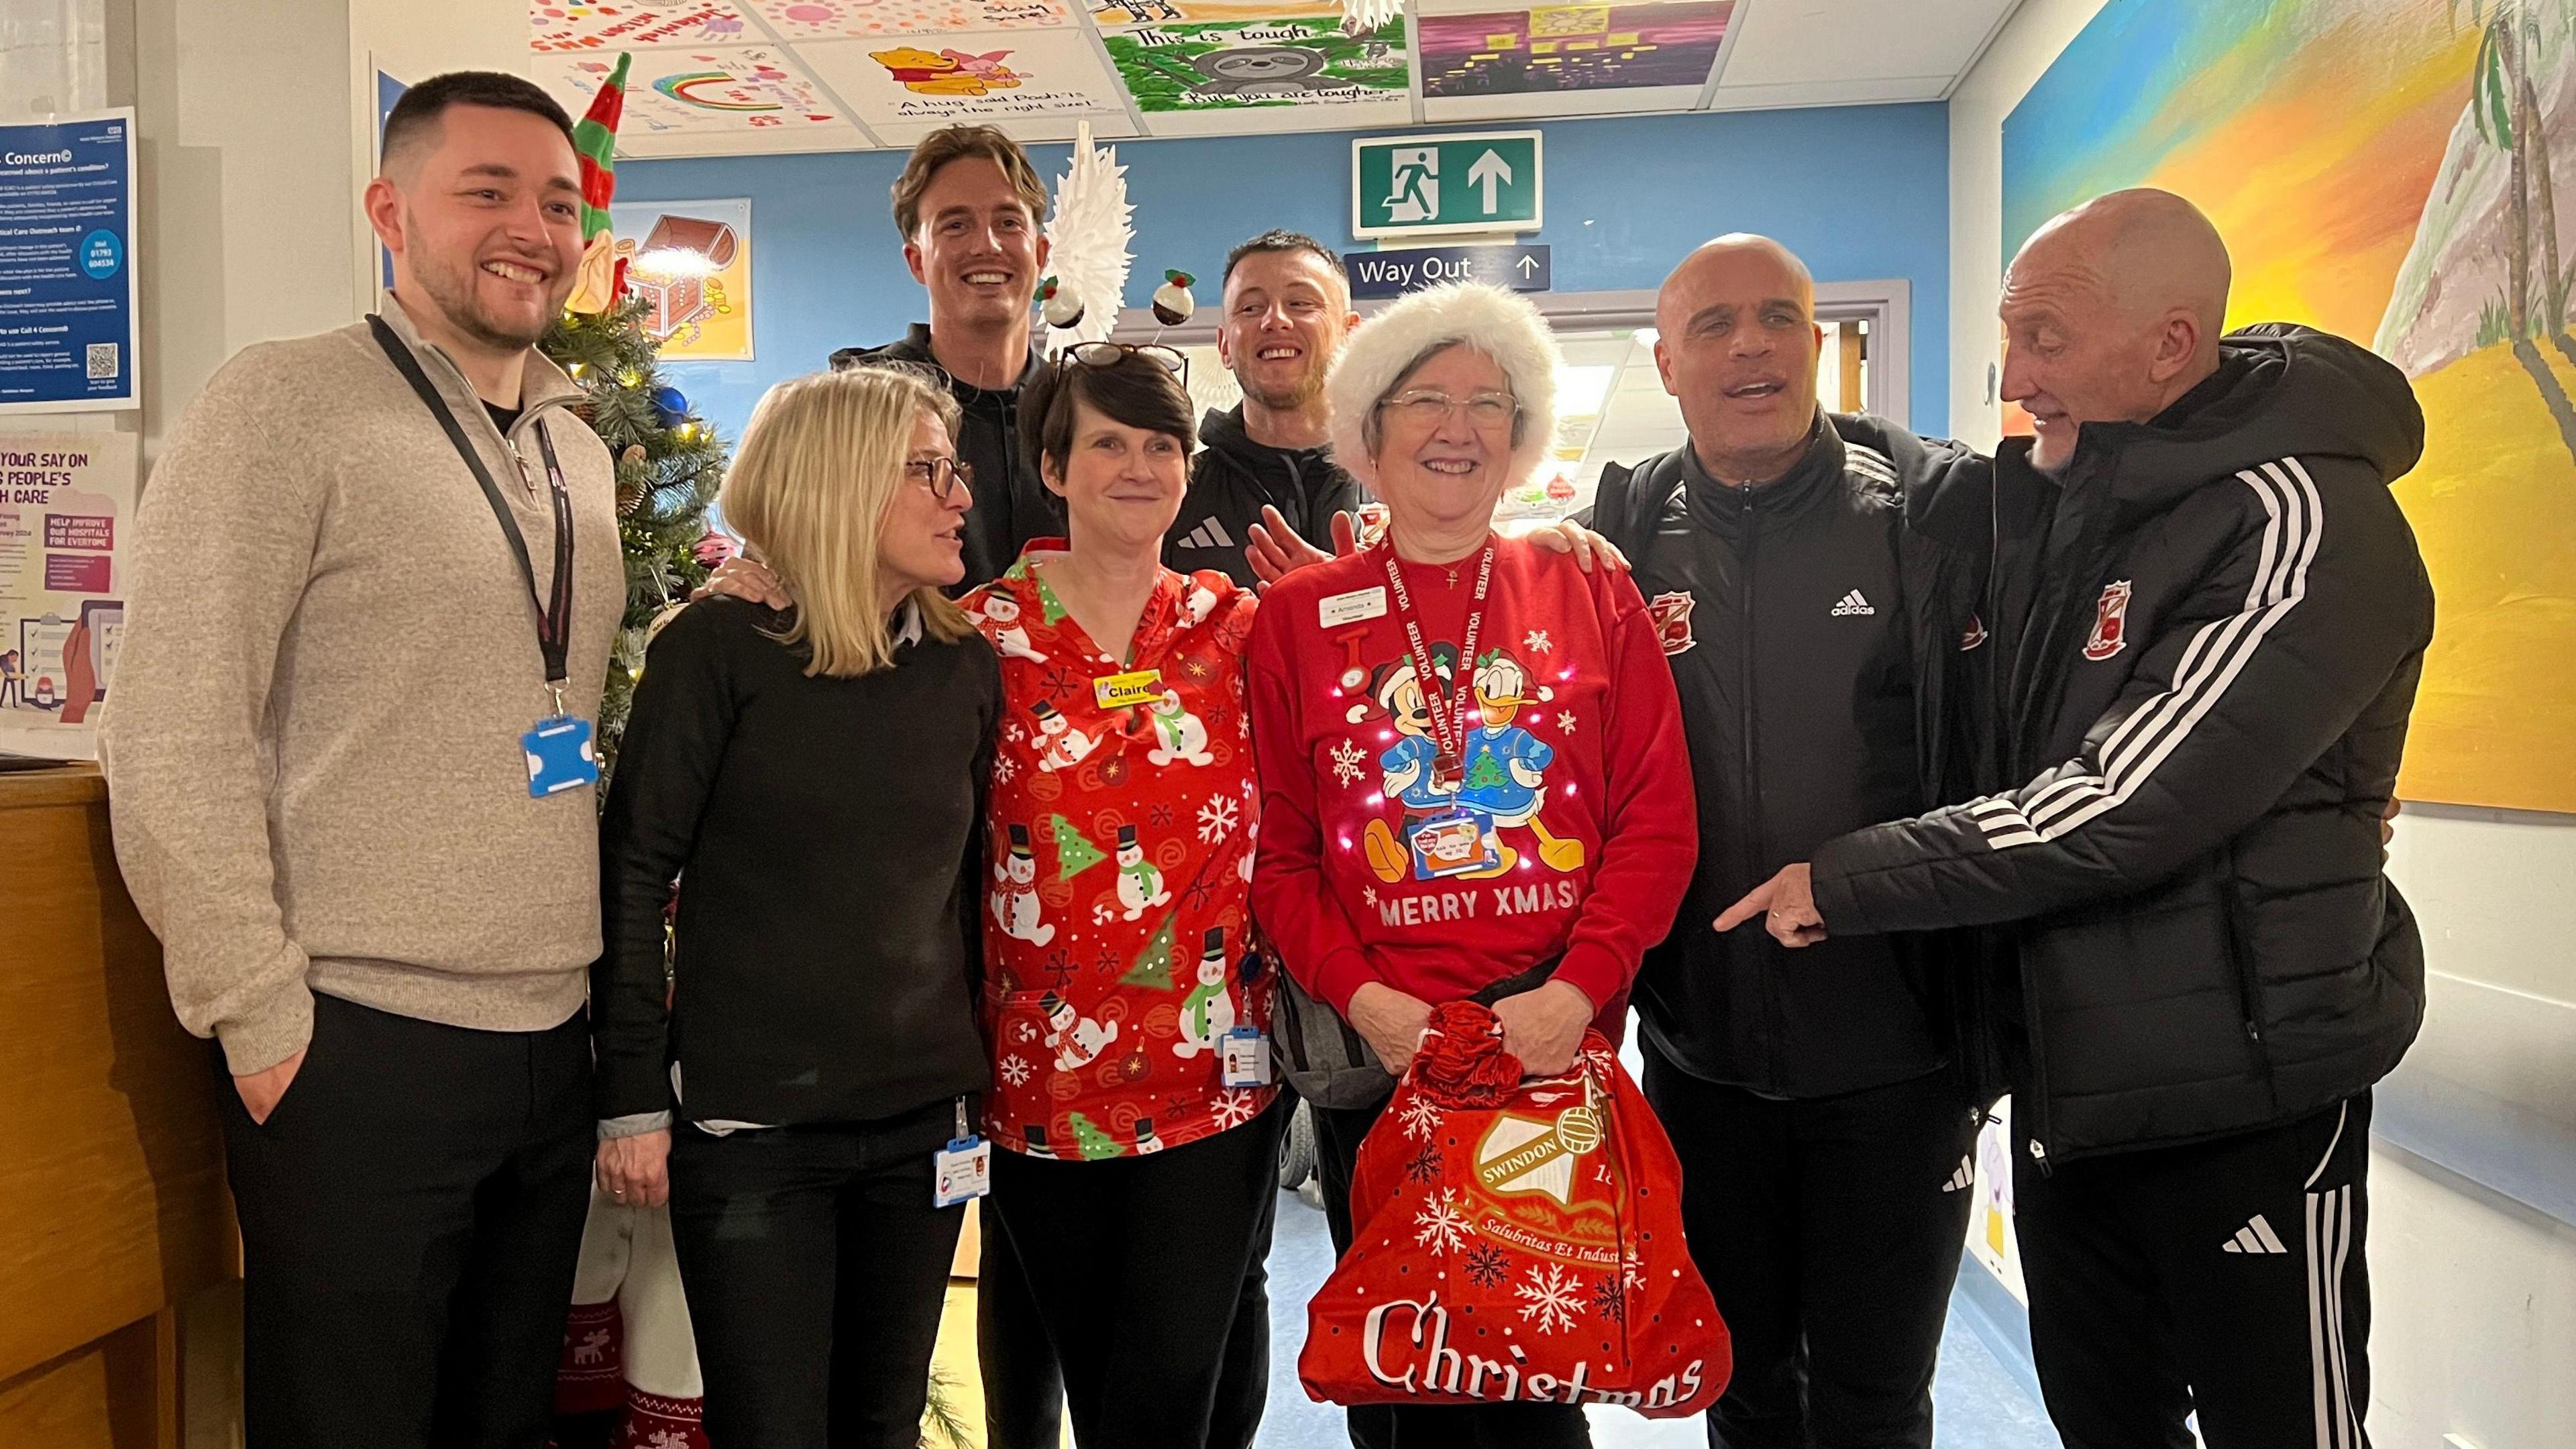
x=1247, y=1058
x=560, y=756
x=1126, y=691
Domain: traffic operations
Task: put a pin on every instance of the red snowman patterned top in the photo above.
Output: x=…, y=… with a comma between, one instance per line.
x=1118, y=947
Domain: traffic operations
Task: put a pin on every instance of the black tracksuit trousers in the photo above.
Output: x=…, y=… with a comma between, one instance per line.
x=1829, y=1230
x=2223, y=1278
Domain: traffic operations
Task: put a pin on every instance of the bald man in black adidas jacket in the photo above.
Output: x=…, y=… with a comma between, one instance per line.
x=1816, y=580
x=2214, y=616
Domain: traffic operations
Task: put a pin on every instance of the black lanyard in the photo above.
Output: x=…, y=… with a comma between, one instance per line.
x=554, y=615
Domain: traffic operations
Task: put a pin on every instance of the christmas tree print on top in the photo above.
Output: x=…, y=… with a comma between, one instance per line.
x=1091, y=1141
x=1074, y=853
x=1049, y=606
x=1153, y=969
x=1487, y=775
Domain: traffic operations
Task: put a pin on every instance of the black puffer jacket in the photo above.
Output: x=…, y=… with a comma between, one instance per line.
x=1011, y=505
x=1815, y=626
x=2214, y=625
x=1230, y=480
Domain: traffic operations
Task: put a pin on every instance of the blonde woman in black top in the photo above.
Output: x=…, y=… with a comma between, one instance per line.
x=816, y=774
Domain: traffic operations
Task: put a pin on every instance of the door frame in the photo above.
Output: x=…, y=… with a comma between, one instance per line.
x=1885, y=303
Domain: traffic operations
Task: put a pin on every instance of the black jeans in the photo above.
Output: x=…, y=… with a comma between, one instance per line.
x=1338, y=1134
x=1024, y=1391
x=2223, y=1278
x=1829, y=1230
x=411, y=1217
x=815, y=1268
x=1136, y=1266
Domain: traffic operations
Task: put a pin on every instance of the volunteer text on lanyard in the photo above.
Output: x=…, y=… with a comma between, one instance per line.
x=1458, y=840
x=559, y=750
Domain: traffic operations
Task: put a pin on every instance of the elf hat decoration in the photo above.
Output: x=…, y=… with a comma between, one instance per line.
x=601, y=282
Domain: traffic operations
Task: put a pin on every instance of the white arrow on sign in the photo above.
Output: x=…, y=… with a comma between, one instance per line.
x=1529, y=265
x=1490, y=172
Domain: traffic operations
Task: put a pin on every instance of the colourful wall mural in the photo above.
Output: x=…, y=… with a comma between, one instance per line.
x=2393, y=171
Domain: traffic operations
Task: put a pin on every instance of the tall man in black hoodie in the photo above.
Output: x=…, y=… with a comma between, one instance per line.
x=972, y=212
x=2214, y=617
x=1287, y=309
x=1816, y=579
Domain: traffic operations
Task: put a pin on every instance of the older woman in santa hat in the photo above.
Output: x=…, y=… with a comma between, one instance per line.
x=1473, y=777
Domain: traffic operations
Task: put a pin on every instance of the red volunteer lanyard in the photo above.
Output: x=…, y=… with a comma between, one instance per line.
x=1449, y=715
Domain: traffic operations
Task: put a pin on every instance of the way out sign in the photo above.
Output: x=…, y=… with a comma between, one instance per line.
x=1445, y=185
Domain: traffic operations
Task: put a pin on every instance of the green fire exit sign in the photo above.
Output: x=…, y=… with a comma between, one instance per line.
x=1445, y=185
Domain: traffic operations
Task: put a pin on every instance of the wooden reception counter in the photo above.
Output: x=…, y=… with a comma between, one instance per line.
x=112, y=1203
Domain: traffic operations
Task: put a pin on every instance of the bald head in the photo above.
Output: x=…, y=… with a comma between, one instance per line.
x=1728, y=265
x=1737, y=345
x=2112, y=311
x=2152, y=251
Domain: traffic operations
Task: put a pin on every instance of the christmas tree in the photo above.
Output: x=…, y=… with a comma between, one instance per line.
x=1073, y=853
x=1154, y=968
x=1091, y=1140
x=669, y=462
x=1488, y=775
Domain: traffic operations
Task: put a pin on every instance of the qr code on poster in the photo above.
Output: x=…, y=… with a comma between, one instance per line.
x=102, y=360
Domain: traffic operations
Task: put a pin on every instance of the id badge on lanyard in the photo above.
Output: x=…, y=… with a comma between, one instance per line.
x=561, y=751
x=1456, y=841
x=962, y=1170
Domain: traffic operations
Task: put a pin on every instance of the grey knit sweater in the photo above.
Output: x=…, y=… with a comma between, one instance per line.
x=312, y=735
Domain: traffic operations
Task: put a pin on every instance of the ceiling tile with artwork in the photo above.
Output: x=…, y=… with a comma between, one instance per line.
x=1109, y=13
x=1001, y=77
x=1202, y=76
x=562, y=26
x=1554, y=49
x=800, y=21
x=717, y=91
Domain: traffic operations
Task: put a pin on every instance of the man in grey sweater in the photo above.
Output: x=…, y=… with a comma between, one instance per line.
x=376, y=579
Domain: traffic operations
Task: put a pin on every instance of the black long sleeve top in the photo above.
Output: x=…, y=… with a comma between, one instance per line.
x=826, y=832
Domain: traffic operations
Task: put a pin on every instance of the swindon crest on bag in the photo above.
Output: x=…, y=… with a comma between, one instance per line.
x=1515, y=1241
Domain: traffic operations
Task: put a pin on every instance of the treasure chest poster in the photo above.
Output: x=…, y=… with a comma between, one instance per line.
x=1180, y=69
x=692, y=261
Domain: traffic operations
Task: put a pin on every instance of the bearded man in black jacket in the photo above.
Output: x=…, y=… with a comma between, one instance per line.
x=1263, y=463
x=1816, y=580
x=2209, y=617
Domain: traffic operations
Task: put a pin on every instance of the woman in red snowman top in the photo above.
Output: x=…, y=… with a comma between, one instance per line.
x=1471, y=760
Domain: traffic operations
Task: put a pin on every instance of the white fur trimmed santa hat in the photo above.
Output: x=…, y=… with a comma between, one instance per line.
x=1381, y=351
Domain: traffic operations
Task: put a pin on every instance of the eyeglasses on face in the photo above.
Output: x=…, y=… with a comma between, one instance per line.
x=1428, y=408
x=1110, y=354
x=940, y=475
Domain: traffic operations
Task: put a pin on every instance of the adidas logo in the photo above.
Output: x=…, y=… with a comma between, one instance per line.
x=1963, y=1179
x=1852, y=603
x=1209, y=534
x=2255, y=1237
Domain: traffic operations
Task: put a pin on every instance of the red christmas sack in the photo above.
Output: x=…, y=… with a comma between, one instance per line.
x=1515, y=1241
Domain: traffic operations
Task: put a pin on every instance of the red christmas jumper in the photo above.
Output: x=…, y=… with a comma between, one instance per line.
x=1117, y=925
x=1571, y=826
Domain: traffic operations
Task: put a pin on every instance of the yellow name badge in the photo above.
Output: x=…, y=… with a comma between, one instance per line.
x=1126, y=691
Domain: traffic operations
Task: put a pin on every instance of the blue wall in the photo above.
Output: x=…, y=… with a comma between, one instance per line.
x=1860, y=192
